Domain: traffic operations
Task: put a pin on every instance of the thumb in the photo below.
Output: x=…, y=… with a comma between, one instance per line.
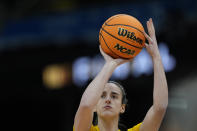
x=146, y=45
x=101, y=50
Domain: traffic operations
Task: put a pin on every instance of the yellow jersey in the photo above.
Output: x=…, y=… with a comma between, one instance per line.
x=134, y=128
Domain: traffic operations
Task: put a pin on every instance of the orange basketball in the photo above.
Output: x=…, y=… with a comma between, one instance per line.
x=121, y=36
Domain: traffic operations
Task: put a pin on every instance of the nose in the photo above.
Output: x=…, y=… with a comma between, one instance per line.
x=108, y=100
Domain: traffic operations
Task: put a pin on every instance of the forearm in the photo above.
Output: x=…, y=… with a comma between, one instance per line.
x=95, y=88
x=160, y=93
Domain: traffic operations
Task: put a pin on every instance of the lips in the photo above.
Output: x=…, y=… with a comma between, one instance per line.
x=107, y=107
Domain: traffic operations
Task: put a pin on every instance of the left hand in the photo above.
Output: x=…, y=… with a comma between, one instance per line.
x=152, y=47
x=109, y=59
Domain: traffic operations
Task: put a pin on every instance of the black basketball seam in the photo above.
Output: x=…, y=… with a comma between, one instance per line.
x=105, y=23
x=128, y=26
x=121, y=40
x=107, y=45
x=109, y=48
x=113, y=18
x=99, y=35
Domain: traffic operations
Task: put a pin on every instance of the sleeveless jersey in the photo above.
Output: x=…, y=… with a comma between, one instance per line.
x=134, y=128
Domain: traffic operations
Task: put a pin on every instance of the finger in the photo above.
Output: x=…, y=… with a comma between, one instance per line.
x=148, y=38
x=105, y=55
x=150, y=29
x=146, y=45
x=152, y=34
x=101, y=50
x=152, y=25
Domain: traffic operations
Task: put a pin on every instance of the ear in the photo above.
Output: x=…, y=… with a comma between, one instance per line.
x=122, y=109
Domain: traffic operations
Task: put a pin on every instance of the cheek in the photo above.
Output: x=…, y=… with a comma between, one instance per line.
x=118, y=103
x=118, y=100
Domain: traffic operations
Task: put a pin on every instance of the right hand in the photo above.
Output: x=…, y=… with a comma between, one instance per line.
x=109, y=59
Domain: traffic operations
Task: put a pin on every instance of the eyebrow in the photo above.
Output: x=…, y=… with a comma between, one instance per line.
x=104, y=92
x=115, y=93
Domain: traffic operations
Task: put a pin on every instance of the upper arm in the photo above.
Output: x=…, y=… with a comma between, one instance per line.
x=83, y=119
x=152, y=120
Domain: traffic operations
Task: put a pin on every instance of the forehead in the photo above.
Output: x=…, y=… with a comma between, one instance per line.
x=111, y=87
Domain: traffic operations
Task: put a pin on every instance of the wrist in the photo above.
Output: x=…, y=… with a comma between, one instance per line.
x=111, y=64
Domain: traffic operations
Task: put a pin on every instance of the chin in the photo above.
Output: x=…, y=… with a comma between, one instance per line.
x=108, y=114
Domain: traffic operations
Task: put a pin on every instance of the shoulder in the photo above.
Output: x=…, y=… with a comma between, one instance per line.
x=135, y=128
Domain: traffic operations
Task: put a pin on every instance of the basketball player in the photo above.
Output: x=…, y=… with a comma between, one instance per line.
x=107, y=98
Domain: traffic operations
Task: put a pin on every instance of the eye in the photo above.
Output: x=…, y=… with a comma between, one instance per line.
x=114, y=96
x=103, y=96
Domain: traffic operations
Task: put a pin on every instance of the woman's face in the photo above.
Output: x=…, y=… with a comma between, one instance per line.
x=110, y=102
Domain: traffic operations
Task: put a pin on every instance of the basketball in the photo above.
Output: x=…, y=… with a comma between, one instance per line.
x=121, y=36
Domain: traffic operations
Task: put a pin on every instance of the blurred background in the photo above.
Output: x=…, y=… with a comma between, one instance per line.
x=49, y=53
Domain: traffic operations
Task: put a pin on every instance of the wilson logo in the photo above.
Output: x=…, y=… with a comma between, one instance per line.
x=124, y=50
x=130, y=35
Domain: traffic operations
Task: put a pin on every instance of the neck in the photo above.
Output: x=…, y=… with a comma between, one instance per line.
x=108, y=124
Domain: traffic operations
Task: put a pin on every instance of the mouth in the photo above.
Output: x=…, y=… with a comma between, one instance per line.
x=107, y=107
